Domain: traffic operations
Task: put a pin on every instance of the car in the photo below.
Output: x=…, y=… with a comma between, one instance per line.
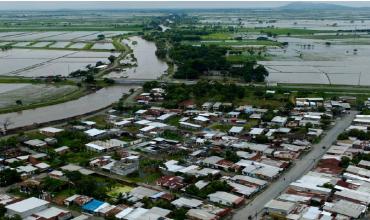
x=323, y=147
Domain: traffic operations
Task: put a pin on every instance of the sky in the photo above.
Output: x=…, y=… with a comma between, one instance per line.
x=92, y=5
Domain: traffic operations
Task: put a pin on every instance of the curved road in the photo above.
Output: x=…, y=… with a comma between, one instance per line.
x=299, y=168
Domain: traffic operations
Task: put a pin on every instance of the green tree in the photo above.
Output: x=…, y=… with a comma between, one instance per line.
x=8, y=177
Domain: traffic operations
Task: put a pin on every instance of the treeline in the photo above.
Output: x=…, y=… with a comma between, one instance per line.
x=194, y=61
x=202, y=90
x=359, y=134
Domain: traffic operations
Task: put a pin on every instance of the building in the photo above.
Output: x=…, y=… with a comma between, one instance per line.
x=279, y=121
x=225, y=198
x=125, y=166
x=27, y=207
x=199, y=214
x=50, y=131
x=235, y=130
x=51, y=213
x=280, y=207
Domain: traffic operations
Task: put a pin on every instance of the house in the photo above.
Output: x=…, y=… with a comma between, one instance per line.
x=280, y=207
x=125, y=166
x=225, y=198
x=199, y=214
x=91, y=206
x=27, y=207
x=171, y=182
x=187, y=203
x=35, y=143
x=216, y=106
x=256, y=169
x=190, y=125
x=104, y=146
x=347, y=208
x=207, y=106
x=52, y=213
x=50, y=131
x=279, y=121
x=61, y=150
x=95, y=133
x=235, y=130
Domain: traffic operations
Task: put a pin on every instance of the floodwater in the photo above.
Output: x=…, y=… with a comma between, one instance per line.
x=83, y=105
x=148, y=64
x=313, y=62
x=38, y=62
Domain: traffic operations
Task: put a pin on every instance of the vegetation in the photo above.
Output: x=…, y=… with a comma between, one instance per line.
x=212, y=187
x=9, y=177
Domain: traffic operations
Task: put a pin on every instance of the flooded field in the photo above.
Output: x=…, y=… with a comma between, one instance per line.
x=319, y=62
x=148, y=65
x=103, y=46
x=34, y=63
x=58, y=35
x=83, y=105
x=30, y=93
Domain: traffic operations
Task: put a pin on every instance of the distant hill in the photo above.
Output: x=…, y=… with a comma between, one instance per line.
x=313, y=6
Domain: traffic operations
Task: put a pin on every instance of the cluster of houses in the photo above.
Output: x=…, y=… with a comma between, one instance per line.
x=334, y=189
x=35, y=209
x=261, y=149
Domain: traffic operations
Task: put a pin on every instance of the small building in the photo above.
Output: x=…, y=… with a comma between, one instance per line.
x=207, y=106
x=35, y=143
x=50, y=131
x=27, y=207
x=225, y=198
x=95, y=133
x=279, y=207
x=236, y=130
x=279, y=121
x=199, y=214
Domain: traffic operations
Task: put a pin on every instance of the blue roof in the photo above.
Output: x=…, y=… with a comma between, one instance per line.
x=92, y=205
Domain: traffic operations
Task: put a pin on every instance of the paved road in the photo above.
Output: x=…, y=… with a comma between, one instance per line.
x=255, y=207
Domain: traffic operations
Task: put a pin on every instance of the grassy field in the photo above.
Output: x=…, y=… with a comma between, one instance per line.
x=236, y=43
x=218, y=36
x=282, y=31
x=244, y=58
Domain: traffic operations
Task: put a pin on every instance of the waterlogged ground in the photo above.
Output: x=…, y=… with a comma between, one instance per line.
x=313, y=61
x=36, y=63
x=30, y=93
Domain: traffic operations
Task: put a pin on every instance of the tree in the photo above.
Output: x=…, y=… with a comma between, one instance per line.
x=19, y=102
x=90, y=79
x=101, y=37
x=8, y=177
x=344, y=162
x=231, y=156
x=112, y=58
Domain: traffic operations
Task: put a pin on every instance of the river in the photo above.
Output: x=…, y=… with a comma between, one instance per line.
x=89, y=103
x=148, y=65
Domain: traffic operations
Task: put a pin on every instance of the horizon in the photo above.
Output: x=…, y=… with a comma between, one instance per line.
x=155, y=5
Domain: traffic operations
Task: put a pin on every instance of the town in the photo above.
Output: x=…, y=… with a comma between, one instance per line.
x=151, y=110
x=196, y=158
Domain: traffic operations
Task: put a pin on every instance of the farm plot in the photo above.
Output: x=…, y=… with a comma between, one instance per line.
x=61, y=44
x=10, y=93
x=4, y=43
x=21, y=44
x=77, y=45
x=36, y=63
x=68, y=36
x=103, y=46
x=31, y=36
x=41, y=44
